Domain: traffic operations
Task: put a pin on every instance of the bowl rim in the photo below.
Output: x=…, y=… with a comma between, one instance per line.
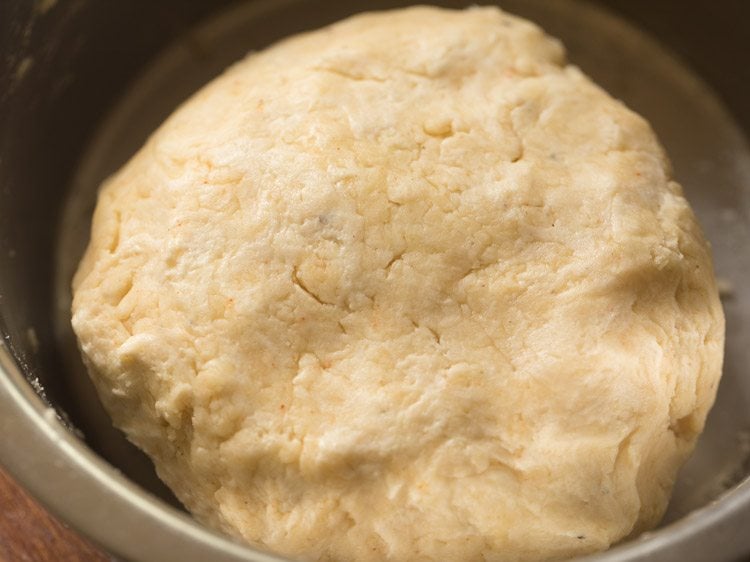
x=98, y=501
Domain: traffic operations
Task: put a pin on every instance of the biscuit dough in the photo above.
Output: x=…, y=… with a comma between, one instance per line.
x=408, y=287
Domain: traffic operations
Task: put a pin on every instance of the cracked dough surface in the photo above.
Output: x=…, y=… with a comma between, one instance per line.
x=405, y=288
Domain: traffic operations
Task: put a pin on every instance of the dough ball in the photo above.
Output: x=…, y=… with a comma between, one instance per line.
x=405, y=288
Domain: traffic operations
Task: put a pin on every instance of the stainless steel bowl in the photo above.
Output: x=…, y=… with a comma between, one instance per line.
x=83, y=82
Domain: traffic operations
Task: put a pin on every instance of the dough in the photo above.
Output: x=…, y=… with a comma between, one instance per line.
x=405, y=288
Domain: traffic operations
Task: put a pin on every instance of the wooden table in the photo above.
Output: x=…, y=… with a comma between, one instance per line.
x=28, y=533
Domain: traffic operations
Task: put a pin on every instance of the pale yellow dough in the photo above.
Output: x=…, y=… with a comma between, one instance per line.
x=407, y=288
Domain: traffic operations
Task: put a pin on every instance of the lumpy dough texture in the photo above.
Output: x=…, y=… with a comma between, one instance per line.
x=405, y=288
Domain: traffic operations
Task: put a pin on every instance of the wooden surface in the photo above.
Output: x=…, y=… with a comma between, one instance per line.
x=29, y=534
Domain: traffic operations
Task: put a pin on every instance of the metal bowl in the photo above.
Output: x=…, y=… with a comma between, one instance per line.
x=81, y=85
